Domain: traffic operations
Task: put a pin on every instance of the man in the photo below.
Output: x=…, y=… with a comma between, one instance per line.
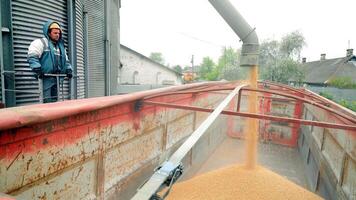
x=48, y=56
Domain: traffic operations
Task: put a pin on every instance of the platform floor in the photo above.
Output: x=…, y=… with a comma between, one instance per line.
x=284, y=161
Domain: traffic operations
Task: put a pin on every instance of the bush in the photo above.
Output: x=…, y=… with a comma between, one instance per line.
x=348, y=104
x=326, y=95
x=343, y=83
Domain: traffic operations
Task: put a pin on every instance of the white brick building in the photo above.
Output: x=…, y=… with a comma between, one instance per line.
x=138, y=69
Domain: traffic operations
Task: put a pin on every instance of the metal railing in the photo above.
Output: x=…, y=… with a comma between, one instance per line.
x=60, y=85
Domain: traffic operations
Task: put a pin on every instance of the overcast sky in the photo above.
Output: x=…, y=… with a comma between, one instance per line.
x=181, y=28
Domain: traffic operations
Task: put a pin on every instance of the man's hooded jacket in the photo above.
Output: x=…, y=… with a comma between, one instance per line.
x=41, y=57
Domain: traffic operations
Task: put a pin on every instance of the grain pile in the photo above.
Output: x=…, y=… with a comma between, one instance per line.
x=238, y=182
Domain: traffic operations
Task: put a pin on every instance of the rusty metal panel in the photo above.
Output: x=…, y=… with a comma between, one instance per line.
x=128, y=186
x=338, y=136
x=41, y=156
x=2, y=179
x=154, y=119
x=279, y=131
x=178, y=129
x=349, y=179
x=140, y=123
x=204, y=147
x=200, y=117
x=317, y=154
x=301, y=139
x=305, y=149
x=333, y=144
x=188, y=164
x=200, y=151
x=334, y=155
x=312, y=170
x=315, y=111
x=237, y=124
x=208, y=100
x=173, y=114
x=76, y=183
x=244, y=102
x=325, y=187
x=282, y=108
x=237, y=128
x=305, y=112
x=308, y=135
x=113, y=135
x=309, y=116
x=342, y=137
x=128, y=157
x=350, y=145
x=346, y=140
x=318, y=135
x=219, y=131
x=216, y=133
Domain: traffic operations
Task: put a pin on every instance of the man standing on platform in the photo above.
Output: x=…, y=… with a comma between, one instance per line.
x=47, y=55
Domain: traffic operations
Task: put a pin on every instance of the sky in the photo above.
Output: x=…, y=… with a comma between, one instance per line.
x=181, y=28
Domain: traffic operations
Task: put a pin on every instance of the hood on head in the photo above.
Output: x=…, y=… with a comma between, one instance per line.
x=46, y=27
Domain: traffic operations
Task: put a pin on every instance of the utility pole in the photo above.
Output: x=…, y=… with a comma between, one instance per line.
x=192, y=61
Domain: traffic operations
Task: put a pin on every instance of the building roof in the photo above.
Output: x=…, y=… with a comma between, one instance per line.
x=149, y=59
x=322, y=71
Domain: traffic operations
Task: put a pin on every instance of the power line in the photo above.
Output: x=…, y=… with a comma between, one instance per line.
x=200, y=40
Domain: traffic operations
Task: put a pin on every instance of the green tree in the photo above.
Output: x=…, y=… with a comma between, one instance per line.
x=292, y=44
x=206, y=67
x=213, y=75
x=279, y=59
x=187, y=68
x=283, y=71
x=208, y=70
x=269, y=52
x=228, y=65
x=178, y=69
x=158, y=57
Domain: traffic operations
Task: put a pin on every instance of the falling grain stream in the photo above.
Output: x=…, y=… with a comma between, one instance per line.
x=251, y=128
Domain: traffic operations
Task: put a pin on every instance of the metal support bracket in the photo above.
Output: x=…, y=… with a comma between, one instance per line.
x=138, y=105
x=173, y=174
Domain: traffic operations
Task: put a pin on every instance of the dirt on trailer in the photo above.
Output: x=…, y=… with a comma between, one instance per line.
x=239, y=182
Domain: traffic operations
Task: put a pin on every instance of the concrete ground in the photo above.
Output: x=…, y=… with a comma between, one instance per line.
x=284, y=161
